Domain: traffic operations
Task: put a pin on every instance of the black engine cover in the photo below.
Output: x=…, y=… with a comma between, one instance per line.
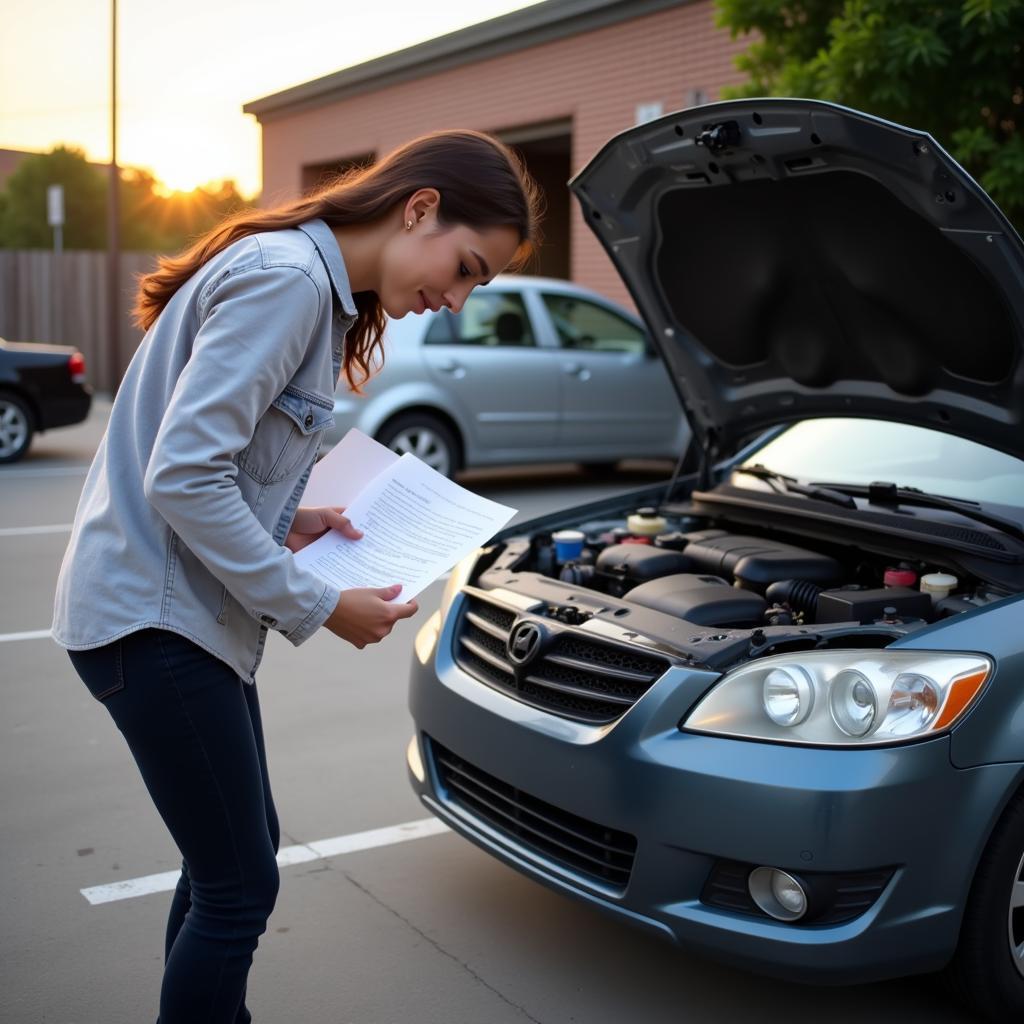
x=756, y=562
x=703, y=600
x=637, y=563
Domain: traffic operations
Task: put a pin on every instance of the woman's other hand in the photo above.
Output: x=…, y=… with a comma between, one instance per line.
x=311, y=524
x=365, y=615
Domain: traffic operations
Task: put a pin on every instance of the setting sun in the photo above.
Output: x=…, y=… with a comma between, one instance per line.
x=180, y=97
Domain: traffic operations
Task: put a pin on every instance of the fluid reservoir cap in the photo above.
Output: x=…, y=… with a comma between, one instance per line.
x=899, y=577
x=645, y=522
x=938, y=584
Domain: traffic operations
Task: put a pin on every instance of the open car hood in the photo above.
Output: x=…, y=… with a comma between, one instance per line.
x=794, y=259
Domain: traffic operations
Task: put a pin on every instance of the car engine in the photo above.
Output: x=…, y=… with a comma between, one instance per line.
x=711, y=596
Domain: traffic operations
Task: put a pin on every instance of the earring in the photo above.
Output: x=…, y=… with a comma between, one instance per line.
x=408, y=225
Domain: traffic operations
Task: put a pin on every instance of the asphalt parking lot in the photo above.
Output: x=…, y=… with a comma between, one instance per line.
x=417, y=927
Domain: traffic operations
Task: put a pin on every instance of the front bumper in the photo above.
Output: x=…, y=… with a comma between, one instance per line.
x=692, y=801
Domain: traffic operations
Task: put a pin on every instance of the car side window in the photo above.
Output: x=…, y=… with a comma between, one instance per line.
x=440, y=330
x=585, y=325
x=488, y=318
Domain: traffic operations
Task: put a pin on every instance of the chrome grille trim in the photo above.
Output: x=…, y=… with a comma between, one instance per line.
x=580, y=675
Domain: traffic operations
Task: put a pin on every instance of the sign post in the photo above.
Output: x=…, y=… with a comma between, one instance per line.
x=55, y=218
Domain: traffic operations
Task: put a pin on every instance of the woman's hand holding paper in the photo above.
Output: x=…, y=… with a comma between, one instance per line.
x=365, y=615
x=311, y=524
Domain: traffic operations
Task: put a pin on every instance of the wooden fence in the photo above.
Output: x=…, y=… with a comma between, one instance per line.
x=63, y=300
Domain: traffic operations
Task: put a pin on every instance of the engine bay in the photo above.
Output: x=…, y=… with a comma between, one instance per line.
x=715, y=594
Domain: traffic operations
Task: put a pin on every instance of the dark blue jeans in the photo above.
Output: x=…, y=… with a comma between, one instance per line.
x=194, y=730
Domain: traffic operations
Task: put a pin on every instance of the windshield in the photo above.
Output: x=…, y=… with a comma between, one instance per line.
x=853, y=451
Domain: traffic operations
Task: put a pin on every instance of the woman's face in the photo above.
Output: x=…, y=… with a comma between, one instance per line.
x=431, y=266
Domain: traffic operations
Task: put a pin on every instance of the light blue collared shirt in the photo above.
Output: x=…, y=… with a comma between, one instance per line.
x=210, y=443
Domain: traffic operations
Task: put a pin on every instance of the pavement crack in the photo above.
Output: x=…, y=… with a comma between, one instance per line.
x=440, y=949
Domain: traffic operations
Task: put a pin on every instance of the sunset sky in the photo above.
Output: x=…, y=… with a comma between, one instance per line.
x=186, y=68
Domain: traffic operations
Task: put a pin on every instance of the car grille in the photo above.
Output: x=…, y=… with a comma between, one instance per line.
x=602, y=855
x=578, y=677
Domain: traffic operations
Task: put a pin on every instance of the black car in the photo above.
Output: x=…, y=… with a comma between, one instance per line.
x=41, y=386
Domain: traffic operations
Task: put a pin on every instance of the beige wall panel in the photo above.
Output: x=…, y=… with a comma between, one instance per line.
x=596, y=79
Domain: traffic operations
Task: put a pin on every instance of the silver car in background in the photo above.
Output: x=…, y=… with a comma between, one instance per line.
x=530, y=370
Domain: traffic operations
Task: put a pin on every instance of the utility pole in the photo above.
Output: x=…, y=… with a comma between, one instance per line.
x=113, y=224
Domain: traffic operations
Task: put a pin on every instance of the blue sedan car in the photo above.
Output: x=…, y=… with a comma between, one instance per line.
x=773, y=709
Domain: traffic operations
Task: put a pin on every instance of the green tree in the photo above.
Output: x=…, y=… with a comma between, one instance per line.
x=23, y=222
x=149, y=220
x=954, y=68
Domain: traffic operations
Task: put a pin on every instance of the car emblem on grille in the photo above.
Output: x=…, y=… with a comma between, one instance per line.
x=524, y=642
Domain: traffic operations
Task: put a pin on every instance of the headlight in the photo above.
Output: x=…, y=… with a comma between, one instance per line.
x=841, y=698
x=853, y=702
x=788, y=695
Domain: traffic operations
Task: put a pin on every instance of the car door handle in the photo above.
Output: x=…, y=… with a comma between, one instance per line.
x=457, y=370
x=577, y=370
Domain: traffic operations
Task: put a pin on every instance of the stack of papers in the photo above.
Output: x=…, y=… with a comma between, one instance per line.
x=416, y=523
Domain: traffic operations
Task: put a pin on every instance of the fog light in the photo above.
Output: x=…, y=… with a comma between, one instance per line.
x=778, y=894
x=414, y=760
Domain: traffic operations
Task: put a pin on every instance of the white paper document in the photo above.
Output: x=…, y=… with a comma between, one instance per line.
x=346, y=469
x=416, y=523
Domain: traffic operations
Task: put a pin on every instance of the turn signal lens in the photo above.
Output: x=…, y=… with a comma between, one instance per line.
x=961, y=696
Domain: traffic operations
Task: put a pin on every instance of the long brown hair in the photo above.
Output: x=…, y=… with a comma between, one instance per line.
x=482, y=183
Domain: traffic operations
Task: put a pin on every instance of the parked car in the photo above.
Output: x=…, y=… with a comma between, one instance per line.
x=531, y=370
x=41, y=387
x=774, y=710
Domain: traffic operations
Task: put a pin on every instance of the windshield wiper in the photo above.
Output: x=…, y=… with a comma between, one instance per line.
x=790, y=485
x=885, y=493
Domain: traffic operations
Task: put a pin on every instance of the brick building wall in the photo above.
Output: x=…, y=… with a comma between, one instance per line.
x=594, y=79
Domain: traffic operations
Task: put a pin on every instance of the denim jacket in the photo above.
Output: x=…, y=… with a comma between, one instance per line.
x=211, y=440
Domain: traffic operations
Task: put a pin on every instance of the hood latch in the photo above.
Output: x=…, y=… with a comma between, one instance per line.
x=719, y=136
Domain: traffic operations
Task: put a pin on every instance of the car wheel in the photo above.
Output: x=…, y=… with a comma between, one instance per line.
x=426, y=437
x=16, y=427
x=987, y=971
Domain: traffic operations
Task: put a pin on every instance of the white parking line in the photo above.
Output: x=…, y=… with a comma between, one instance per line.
x=32, y=634
x=24, y=531
x=318, y=850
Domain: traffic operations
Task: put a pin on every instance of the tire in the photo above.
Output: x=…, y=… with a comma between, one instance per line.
x=428, y=438
x=17, y=425
x=987, y=970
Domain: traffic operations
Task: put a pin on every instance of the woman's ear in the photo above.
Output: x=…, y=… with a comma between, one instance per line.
x=422, y=204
